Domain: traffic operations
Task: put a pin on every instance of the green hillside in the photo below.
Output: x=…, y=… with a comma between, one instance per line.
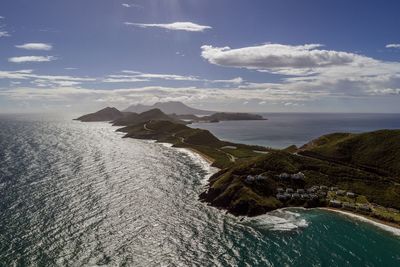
x=377, y=152
x=106, y=114
x=131, y=118
x=229, y=190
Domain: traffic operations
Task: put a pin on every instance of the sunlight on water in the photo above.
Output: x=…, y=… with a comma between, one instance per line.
x=78, y=194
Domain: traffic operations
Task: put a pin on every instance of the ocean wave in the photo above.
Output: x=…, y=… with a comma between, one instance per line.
x=200, y=161
x=279, y=220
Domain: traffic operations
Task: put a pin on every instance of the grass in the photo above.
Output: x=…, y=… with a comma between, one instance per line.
x=376, y=152
x=349, y=161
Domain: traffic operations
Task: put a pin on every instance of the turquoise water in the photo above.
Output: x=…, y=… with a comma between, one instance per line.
x=77, y=194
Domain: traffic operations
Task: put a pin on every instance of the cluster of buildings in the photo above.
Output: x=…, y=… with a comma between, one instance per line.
x=313, y=193
x=295, y=176
x=252, y=178
x=363, y=208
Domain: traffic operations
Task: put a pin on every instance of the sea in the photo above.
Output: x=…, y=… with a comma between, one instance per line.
x=78, y=194
x=281, y=130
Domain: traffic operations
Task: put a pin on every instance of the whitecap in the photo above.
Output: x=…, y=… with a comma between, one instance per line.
x=279, y=220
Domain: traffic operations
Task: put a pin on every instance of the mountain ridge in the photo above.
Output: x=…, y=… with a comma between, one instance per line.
x=170, y=107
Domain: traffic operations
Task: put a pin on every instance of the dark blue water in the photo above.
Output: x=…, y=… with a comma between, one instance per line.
x=77, y=194
x=284, y=129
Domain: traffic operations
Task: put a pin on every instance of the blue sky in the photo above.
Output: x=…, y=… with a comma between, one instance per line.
x=260, y=55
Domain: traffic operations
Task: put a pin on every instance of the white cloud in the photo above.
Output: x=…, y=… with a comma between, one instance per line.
x=176, y=26
x=308, y=68
x=49, y=81
x=277, y=57
x=25, y=59
x=130, y=5
x=35, y=46
x=392, y=46
x=4, y=34
x=237, y=80
x=136, y=76
x=1, y=17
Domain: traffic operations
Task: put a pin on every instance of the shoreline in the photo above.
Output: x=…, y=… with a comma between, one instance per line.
x=383, y=225
x=204, y=156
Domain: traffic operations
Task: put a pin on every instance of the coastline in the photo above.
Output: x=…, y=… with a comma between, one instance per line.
x=206, y=160
x=209, y=160
x=387, y=226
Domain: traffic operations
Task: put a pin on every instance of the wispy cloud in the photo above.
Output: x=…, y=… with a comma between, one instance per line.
x=176, y=26
x=136, y=76
x=237, y=80
x=392, y=46
x=35, y=46
x=4, y=34
x=161, y=76
x=27, y=59
x=44, y=80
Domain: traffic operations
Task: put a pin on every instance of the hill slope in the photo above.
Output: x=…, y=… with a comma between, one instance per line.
x=153, y=114
x=171, y=107
x=377, y=152
x=106, y=114
x=228, y=188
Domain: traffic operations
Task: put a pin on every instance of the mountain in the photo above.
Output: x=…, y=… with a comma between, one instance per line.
x=171, y=107
x=130, y=118
x=377, y=151
x=106, y=114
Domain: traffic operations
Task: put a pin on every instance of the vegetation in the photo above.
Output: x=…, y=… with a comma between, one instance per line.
x=198, y=139
x=377, y=152
x=226, y=186
x=366, y=164
x=106, y=114
x=220, y=116
x=130, y=118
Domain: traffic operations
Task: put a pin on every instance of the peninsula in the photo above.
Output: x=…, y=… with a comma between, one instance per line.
x=359, y=173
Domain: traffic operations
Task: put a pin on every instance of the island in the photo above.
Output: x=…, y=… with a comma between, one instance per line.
x=220, y=116
x=359, y=173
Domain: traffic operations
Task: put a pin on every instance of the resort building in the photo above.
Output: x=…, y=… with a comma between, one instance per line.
x=340, y=193
x=335, y=203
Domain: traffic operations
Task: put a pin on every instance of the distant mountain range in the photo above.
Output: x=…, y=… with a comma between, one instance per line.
x=171, y=107
x=175, y=112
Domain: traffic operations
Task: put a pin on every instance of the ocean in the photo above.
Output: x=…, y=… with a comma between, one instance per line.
x=77, y=194
x=284, y=129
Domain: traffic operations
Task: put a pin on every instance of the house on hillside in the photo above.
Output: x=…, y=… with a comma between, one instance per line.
x=335, y=203
x=298, y=176
x=340, y=193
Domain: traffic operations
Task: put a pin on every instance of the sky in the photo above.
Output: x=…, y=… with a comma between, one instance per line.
x=228, y=55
